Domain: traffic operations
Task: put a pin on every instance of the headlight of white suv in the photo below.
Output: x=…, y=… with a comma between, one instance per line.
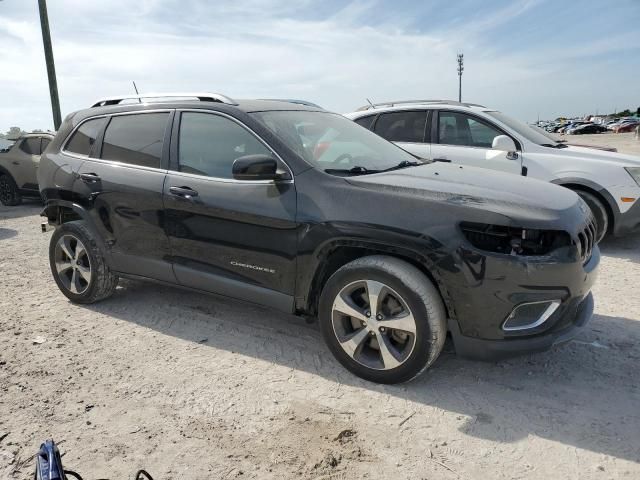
x=635, y=173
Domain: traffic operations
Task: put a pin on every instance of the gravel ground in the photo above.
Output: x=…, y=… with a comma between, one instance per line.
x=193, y=386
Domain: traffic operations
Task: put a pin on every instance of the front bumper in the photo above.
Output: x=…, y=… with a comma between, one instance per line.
x=628, y=221
x=491, y=350
x=492, y=286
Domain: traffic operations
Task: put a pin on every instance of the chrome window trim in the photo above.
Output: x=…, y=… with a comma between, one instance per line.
x=232, y=180
x=115, y=163
x=64, y=150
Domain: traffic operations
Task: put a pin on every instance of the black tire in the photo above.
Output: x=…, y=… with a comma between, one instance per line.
x=9, y=193
x=419, y=294
x=600, y=213
x=102, y=282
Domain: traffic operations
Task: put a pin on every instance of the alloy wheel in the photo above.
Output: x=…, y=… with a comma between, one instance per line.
x=373, y=324
x=72, y=264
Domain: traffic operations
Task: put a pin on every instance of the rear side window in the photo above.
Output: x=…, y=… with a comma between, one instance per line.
x=85, y=136
x=31, y=145
x=366, y=122
x=402, y=126
x=44, y=144
x=210, y=143
x=135, y=139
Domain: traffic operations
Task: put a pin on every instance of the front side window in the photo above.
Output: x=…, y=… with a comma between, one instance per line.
x=402, y=126
x=31, y=146
x=81, y=142
x=135, y=139
x=209, y=144
x=460, y=129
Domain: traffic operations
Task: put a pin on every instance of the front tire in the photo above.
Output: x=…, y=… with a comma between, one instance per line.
x=9, y=193
x=382, y=319
x=78, y=265
x=599, y=211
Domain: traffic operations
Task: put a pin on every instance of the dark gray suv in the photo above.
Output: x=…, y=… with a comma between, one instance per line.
x=284, y=204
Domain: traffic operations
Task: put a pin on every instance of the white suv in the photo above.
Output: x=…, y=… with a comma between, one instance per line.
x=471, y=134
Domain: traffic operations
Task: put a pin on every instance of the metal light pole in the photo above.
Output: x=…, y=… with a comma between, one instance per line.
x=460, y=70
x=51, y=68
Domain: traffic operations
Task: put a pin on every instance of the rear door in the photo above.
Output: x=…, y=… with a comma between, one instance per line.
x=407, y=129
x=233, y=237
x=466, y=139
x=121, y=183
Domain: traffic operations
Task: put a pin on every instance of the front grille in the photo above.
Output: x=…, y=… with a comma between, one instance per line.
x=585, y=241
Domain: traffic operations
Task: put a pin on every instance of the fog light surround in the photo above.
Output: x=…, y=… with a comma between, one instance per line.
x=530, y=315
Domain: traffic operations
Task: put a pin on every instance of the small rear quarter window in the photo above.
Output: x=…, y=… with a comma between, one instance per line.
x=82, y=140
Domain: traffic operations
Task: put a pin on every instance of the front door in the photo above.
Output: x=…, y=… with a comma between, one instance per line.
x=232, y=237
x=467, y=139
x=121, y=184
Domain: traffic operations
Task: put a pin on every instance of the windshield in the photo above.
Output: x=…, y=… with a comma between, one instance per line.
x=5, y=145
x=329, y=141
x=522, y=129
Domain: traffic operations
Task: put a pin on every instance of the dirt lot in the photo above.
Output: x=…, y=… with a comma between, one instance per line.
x=624, y=142
x=192, y=386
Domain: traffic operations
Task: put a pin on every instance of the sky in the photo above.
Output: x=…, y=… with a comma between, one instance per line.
x=528, y=58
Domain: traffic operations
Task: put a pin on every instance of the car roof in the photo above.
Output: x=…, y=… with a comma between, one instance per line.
x=247, y=106
x=403, y=105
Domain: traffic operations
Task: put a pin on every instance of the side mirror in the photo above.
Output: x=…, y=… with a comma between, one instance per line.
x=503, y=143
x=257, y=167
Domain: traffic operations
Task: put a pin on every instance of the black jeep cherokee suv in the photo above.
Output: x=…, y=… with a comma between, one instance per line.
x=286, y=205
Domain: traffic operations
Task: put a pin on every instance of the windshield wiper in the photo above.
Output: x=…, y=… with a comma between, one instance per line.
x=351, y=171
x=557, y=145
x=403, y=164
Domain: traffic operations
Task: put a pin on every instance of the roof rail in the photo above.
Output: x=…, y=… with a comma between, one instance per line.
x=202, y=96
x=408, y=102
x=292, y=100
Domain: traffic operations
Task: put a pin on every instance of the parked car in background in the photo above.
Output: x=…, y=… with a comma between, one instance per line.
x=625, y=127
x=475, y=135
x=19, y=166
x=587, y=128
x=289, y=206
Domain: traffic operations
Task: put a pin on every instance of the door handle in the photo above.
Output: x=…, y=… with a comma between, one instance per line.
x=15, y=163
x=89, y=177
x=184, y=192
x=445, y=160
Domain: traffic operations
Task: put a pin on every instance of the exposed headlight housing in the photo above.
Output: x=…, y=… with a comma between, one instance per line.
x=634, y=172
x=512, y=240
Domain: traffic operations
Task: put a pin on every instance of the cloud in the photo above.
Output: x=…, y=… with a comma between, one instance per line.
x=329, y=53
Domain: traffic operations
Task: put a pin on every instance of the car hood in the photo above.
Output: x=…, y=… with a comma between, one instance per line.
x=517, y=200
x=599, y=155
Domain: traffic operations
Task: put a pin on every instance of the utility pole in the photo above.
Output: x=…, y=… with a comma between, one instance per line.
x=51, y=68
x=460, y=70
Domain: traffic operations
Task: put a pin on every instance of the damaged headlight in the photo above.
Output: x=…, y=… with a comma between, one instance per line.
x=634, y=172
x=513, y=240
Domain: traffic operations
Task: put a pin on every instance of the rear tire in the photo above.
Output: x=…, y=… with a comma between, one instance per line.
x=390, y=339
x=599, y=211
x=9, y=193
x=78, y=265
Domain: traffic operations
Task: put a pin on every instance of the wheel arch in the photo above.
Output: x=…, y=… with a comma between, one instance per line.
x=336, y=253
x=59, y=212
x=4, y=171
x=596, y=190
